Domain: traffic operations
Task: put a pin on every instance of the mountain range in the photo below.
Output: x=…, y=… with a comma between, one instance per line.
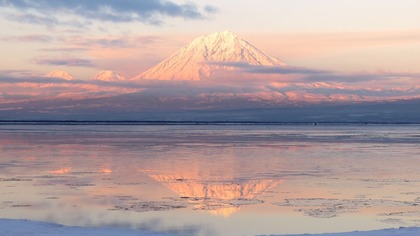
x=60, y=74
x=199, y=60
x=109, y=76
x=216, y=76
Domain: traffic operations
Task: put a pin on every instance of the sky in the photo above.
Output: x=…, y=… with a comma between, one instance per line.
x=85, y=37
x=338, y=51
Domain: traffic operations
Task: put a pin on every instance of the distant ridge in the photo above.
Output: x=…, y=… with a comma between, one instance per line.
x=193, y=123
x=60, y=74
x=109, y=76
x=207, y=54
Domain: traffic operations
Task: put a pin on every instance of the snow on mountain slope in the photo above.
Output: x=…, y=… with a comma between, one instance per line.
x=207, y=54
x=60, y=74
x=109, y=76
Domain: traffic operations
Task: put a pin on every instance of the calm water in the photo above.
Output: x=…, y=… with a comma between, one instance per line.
x=213, y=180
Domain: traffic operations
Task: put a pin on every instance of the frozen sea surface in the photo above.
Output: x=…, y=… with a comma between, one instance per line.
x=212, y=180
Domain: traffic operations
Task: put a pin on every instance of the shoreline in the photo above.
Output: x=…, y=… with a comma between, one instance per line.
x=10, y=227
x=191, y=122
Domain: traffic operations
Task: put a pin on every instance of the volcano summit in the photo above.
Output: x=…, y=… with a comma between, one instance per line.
x=206, y=55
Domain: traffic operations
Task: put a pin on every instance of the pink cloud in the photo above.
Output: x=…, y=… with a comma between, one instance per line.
x=305, y=44
x=28, y=38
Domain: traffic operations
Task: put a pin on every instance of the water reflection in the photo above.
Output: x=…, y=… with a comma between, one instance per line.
x=182, y=177
x=218, y=198
x=106, y=171
x=64, y=170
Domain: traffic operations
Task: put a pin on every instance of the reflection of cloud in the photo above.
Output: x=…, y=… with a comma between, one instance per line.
x=67, y=170
x=106, y=171
x=225, y=212
x=61, y=171
x=149, y=11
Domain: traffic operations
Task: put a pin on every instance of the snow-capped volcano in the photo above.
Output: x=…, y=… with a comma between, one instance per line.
x=207, y=54
x=60, y=74
x=109, y=76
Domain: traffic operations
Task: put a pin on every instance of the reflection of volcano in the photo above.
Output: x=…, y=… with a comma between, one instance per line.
x=225, y=191
x=221, y=197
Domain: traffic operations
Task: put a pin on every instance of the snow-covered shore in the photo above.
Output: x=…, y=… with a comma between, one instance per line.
x=9, y=227
x=411, y=231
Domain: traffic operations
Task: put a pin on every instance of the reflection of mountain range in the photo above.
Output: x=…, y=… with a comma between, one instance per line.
x=186, y=187
x=217, y=197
